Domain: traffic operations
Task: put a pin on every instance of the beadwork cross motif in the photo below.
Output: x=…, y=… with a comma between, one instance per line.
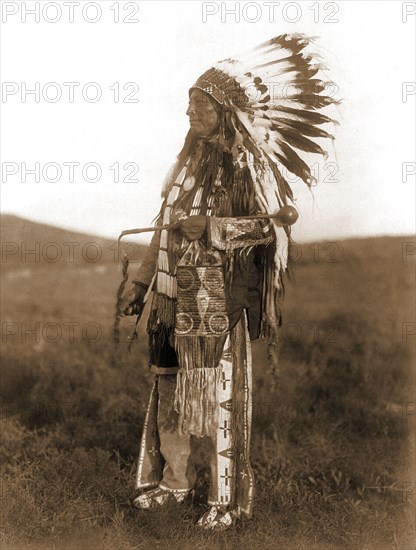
x=226, y=477
x=153, y=451
x=225, y=428
x=224, y=380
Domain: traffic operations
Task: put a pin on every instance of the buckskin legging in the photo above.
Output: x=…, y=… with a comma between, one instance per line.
x=165, y=456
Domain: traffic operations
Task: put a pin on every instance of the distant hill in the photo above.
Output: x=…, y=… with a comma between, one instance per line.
x=369, y=276
x=26, y=242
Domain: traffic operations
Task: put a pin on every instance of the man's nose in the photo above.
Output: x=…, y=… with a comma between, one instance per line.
x=190, y=110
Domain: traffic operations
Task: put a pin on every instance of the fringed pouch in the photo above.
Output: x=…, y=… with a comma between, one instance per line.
x=201, y=329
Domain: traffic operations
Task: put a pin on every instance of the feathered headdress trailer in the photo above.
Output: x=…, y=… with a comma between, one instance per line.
x=270, y=100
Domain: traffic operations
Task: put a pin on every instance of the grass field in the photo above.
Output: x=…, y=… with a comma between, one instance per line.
x=333, y=443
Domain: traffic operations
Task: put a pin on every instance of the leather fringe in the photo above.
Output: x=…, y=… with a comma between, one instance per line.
x=166, y=310
x=196, y=386
x=196, y=401
x=197, y=352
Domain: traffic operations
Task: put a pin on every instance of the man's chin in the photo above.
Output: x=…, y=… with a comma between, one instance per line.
x=197, y=132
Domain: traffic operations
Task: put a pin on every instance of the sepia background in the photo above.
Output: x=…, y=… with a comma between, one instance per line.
x=333, y=443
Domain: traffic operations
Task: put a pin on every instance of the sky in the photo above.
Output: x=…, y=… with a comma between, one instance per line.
x=89, y=149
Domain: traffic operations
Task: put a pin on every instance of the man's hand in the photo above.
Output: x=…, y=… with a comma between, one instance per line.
x=132, y=301
x=193, y=227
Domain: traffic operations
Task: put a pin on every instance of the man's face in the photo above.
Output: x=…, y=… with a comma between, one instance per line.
x=203, y=118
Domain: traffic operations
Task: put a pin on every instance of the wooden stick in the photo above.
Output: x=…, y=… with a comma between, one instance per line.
x=171, y=226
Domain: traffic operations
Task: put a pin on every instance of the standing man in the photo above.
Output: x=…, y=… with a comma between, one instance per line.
x=216, y=271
